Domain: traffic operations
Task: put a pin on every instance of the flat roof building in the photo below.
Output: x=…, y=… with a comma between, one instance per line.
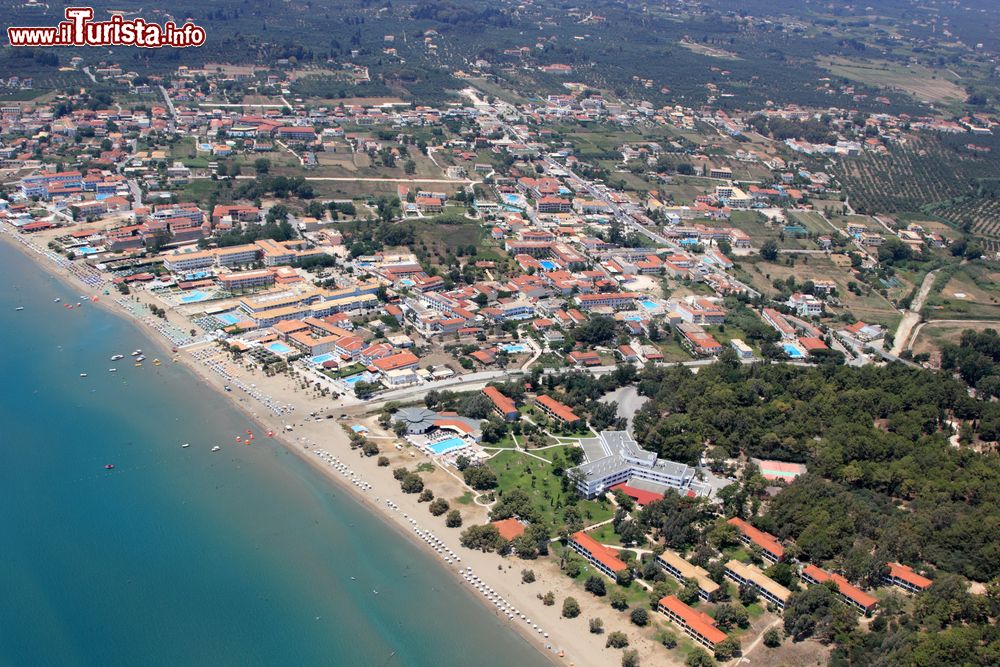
x=618, y=458
x=750, y=575
x=681, y=570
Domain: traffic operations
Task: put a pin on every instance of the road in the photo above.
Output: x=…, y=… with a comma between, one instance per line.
x=912, y=316
x=170, y=104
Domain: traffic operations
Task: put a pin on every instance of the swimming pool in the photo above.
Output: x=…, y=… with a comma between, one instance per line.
x=446, y=446
x=85, y=250
x=406, y=282
x=514, y=348
x=354, y=379
x=319, y=359
x=792, y=351
x=548, y=264
x=228, y=318
x=649, y=305
x=194, y=297
x=279, y=348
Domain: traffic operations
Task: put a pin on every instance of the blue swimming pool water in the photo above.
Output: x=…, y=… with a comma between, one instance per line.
x=512, y=199
x=354, y=379
x=792, y=351
x=228, y=318
x=85, y=250
x=689, y=241
x=514, y=348
x=548, y=264
x=446, y=445
x=406, y=282
x=279, y=348
x=649, y=305
x=194, y=297
x=321, y=358
x=633, y=318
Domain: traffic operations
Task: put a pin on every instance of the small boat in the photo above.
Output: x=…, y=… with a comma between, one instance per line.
x=140, y=358
x=138, y=364
x=216, y=448
x=83, y=375
x=116, y=357
x=375, y=592
x=110, y=466
x=156, y=361
x=112, y=370
x=228, y=388
x=136, y=353
x=19, y=308
x=185, y=445
x=57, y=300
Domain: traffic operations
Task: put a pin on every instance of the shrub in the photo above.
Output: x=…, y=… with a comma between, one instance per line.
x=570, y=608
x=616, y=640
x=639, y=616
x=454, y=519
x=527, y=576
x=596, y=626
x=438, y=506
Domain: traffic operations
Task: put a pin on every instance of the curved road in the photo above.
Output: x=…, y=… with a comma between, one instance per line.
x=912, y=316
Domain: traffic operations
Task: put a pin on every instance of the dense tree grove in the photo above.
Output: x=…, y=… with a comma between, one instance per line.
x=882, y=472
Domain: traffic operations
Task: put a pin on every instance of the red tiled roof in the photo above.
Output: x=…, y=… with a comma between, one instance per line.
x=509, y=528
x=640, y=496
x=908, y=575
x=601, y=553
x=400, y=360
x=698, y=621
x=502, y=403
x=555, y=407
x=846, y=588
x=765, y=541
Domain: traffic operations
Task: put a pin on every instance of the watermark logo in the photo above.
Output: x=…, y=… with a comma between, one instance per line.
x=79, y=29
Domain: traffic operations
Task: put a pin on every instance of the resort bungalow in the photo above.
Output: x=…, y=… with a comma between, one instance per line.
x=769, y=545
x=681, y=570
x=750, y=575
x=904, y=577
x=696, y=624
x=852, y=595
x=556, y=410
x=598, y=555
x=502, y=405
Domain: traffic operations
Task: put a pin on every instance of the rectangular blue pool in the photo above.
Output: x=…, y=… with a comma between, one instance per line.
x=548, y=264
x=355, y=378
x=319, y=359
x=649, y=305
x=792, y=351
x=446, y=446
x=279, y=348
x=228, y=318
x=514, y=348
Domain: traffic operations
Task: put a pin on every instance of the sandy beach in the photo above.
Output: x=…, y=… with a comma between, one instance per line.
x=381, y=492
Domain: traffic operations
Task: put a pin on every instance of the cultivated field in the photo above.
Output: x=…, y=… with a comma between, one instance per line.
x=923, y=83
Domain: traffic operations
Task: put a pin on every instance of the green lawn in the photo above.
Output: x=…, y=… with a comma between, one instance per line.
x=534, y=477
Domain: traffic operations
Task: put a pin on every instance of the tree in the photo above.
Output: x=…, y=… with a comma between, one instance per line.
x=570, y=608
x=596, y=626
x=618, y=600
x=699, y=657
x=483, y=537
x=426, y=496
x=262, y=165
x=772, y=638
x=383, y=462
x=616, y=639
x=595, y=585
x=527, y=576
x=630, y=658
x=639, y=616
x=549, y=599
x=728, y=615
x=454, y=519
x=412, y=483
x=438, y=506
x=480, y=477
x=727, y=649
x=816, y=612
x=769, y=250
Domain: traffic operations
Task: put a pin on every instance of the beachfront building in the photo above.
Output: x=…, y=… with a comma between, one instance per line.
x=614, y=457
x=245, y=280
x=750, y=575
x=681, y=570
x=696, y=624
x=598, y=555
x=853, y=596
x=556, y=410
x=904, y=577
x=750, y=536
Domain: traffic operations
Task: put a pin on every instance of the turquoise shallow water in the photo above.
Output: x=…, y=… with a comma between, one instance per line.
x=180, y=556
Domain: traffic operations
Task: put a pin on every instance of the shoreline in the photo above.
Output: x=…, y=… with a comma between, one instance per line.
x=338, y=444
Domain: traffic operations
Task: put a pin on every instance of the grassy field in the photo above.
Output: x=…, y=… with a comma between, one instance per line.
x=973, y=293
x=517, y=471
x=919, y=81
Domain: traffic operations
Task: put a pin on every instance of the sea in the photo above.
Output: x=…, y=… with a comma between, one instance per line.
x=181, y=556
